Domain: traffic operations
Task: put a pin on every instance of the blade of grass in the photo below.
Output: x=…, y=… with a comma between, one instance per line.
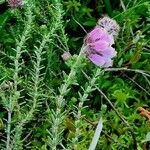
x=108, y=7
x=96, y=135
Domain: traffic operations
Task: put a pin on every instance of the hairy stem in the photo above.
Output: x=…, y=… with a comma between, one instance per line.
x=34, y=91
x=16, y=79
x=8, y=130
x=143, y=72
x=82, y=99
x=60, y=102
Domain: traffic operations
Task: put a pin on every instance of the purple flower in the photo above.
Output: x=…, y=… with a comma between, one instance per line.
x=66, y=55
x=15, y=3
x=98, y=34
x=98, y=47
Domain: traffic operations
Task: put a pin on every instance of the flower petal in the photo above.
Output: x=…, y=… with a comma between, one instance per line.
x=97, y=59
x=110, y=39
x=99, y=45
x=109, y=52
x=108, y=63
x=99, y=34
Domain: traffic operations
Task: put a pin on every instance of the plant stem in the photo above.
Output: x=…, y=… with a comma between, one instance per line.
x=60, y=102
x=8, y=128
x=83, y=98
x=146, y=73
x=16, y=79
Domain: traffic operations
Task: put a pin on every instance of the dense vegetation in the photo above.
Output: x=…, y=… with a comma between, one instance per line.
x=53, y=101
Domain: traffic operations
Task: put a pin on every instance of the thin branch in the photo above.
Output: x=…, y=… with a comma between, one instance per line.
x=79, y=24
x=146, y=73
x=148, y=81
x=138, y=85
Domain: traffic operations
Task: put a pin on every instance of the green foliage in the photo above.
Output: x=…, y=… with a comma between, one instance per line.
x=48, y=103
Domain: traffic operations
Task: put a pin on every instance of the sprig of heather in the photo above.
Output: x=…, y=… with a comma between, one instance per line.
x=15, y=95
x=58, y=115
x=99, y=51
x=35, y=92
x=93, y=39
x=35, y=88
x=82, y=98
x=54, y=138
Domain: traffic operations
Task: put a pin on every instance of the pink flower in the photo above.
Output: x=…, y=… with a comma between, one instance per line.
x=15, y=3
x=100, y=61
x=99, y=34
x=66, y=55
x=98, y=47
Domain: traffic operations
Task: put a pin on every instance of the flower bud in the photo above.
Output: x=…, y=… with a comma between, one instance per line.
x=110, y=25
x=66, y=55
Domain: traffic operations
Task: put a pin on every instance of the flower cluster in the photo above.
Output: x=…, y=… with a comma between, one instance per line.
x=15, y=3
x=109, y=25
x=98, y=44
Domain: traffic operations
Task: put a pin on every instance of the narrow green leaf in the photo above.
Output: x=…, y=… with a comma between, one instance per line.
x=96, y=135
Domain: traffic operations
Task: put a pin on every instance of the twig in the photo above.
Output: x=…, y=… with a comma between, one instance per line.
x=79, y=24
x=138, y=85
x=148, y=81
x=146, y=73
x=28, y=135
